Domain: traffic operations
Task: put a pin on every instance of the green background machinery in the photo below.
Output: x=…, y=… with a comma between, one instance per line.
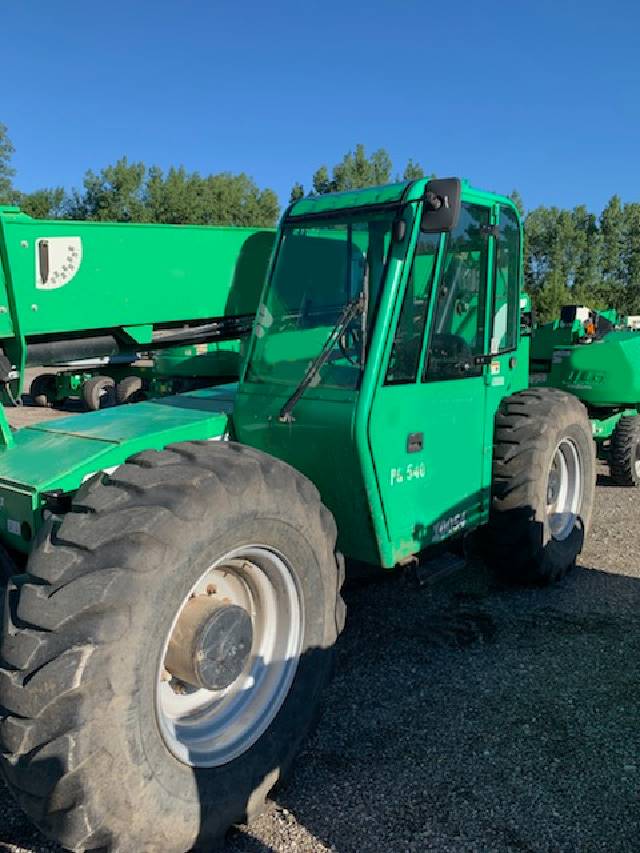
x=596, y=356
x=72, y=290
x=125, y=379
x=166, y=645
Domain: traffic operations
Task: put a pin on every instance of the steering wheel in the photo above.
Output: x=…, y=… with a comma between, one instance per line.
x=348, y=341
x=447, y=347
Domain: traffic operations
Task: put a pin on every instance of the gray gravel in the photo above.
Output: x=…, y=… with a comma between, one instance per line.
x=472, y=718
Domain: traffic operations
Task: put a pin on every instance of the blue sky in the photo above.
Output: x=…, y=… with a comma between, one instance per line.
x=538, y=95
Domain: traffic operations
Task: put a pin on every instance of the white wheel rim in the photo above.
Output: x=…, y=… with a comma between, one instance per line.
x=564, y=489
x=208, y=728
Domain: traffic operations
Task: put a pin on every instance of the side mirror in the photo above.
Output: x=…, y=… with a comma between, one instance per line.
x=527, y=322
x=441, y=205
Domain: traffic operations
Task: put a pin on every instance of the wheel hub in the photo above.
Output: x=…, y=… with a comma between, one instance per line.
x=229, y=657
x=564, y=489
x=210, y=644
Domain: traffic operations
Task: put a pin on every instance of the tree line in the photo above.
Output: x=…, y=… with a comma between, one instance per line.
x=570, y=255
x=132, y=192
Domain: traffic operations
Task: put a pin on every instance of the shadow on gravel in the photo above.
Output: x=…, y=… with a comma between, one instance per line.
x=475, y=717
x=604, y=479
x=467, y=716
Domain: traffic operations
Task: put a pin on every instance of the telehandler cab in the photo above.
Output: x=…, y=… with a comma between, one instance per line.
x=166, y=645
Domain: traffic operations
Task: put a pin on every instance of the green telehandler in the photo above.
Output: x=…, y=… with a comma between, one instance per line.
x=596, y=356
x=170, y=624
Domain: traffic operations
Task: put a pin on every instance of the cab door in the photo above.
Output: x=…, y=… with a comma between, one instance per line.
x=427, y=420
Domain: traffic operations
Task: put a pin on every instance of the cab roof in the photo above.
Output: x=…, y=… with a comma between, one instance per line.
x=376, y=197
x=368, y=197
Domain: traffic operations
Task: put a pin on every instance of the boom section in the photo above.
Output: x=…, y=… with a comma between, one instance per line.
x=72, y=290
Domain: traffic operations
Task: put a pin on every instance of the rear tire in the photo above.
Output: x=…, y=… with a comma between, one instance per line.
x=84, y=747
x=543, y=485
x=99, y=393
x=129, y=390
x=8, y=566
x=43, y=390
x=624, y=453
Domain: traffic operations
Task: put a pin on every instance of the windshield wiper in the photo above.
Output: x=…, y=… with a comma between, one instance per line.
x=350, y=310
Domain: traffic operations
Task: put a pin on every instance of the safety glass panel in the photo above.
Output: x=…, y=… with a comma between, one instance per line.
x=407, y=343
x=458, y=319
x=507, y=292
x=320, y=268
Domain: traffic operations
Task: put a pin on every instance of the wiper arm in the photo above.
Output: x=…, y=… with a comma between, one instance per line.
x=350, y=310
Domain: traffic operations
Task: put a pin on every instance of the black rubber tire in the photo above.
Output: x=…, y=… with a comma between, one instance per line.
x=129, y=390
x=528, y=429
x=83, y=634
x=624, y=452
x=43, y=390
x=99, y=393
x=8, y=566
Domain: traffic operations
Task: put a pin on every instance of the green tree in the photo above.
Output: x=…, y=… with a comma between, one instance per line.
x=297, y=192
x=356, y=170
x=412, y=171
x=321, y=181
x=631, y=297
x=551, y=297
x=612, y=231
x=588, y=288
x=43, y=204
x=128, y=192
x=6, y=170
x=562, y=259
x=516, y=198
x=113, y=194
x=181, y=197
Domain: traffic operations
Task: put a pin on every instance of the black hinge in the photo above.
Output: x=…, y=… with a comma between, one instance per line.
x=483, y=359
x=43, y=260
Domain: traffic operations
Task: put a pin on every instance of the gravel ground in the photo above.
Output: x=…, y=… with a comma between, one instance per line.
x=471, y=717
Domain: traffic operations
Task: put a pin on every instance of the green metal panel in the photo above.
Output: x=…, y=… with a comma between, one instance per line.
x=223, y=359
x=191, y=273
x=604, y=427
x=120, y=279
x=351, y=444
x=603, y=373
x=334, y=202
x=60, y=454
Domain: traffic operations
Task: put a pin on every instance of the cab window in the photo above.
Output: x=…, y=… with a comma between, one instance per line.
x=457, y=333
x=507, y=287
x=407, y=343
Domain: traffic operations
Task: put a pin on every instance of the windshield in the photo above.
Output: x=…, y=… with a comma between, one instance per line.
x=320, y=267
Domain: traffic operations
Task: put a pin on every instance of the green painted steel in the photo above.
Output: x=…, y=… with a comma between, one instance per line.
x=333, y=202
x=171, y=370
x=60, y=454
x=200, y=360
x=62, y=277
x=604, y=373
x=396, y=428
x=601, y=367
x=351, y=433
